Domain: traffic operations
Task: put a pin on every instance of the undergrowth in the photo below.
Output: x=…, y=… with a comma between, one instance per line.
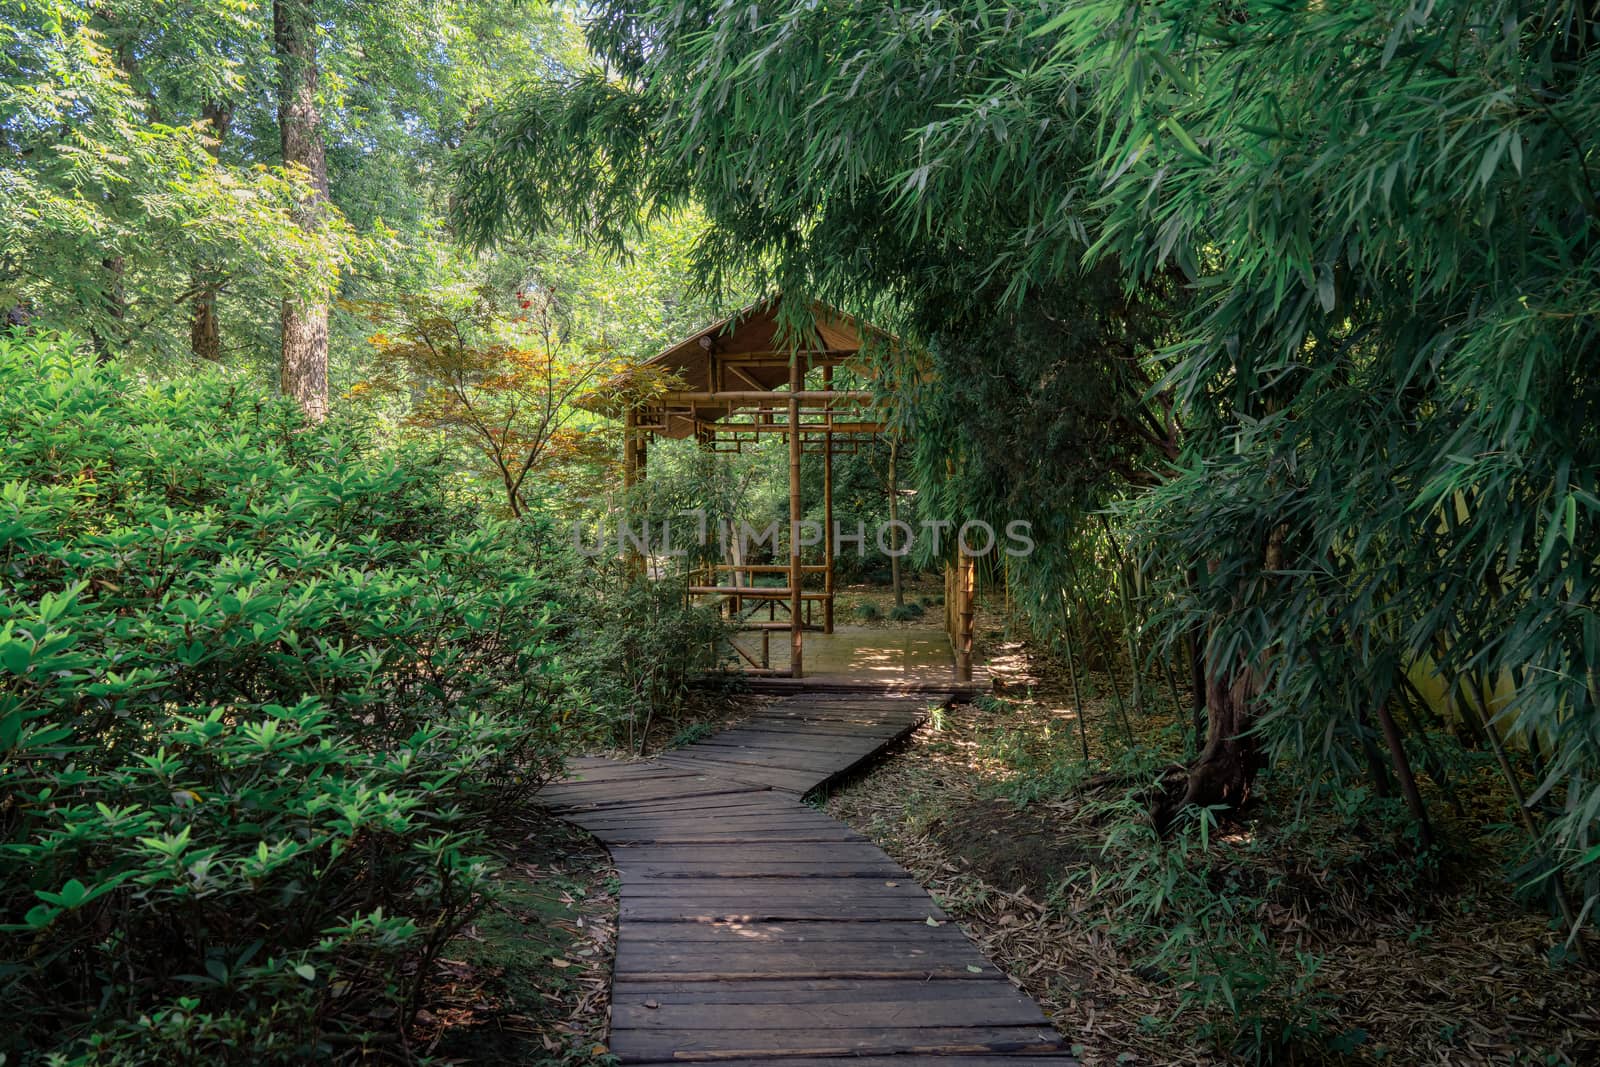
x=1280, y=934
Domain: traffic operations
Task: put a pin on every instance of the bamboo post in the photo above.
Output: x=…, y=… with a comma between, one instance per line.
x=631, y=456
x=630, y=467
x=950, y=604
x=796, y=620
x=962, y=617
x=828, y=579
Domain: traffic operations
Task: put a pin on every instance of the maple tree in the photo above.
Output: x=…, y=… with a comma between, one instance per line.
x=504, y=384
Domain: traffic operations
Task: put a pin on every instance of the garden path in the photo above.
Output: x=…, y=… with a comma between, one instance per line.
x=755, y=929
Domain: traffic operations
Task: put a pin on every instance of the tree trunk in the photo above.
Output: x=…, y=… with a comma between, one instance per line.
x=1403, y=774
x=1227, y=767
x=114, y=302
x=205, y=328
x=304, y=372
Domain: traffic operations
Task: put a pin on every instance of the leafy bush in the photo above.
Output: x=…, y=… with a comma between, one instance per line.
x=906, y=612
x=868, y=611
x=260, y=686
x=637, y=647
x=1193, y=912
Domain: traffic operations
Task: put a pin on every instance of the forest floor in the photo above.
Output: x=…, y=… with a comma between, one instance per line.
x=871, y=604
x=529, y=981
x=1340, y=940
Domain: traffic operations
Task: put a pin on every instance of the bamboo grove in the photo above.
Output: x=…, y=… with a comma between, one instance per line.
x=1280, y=318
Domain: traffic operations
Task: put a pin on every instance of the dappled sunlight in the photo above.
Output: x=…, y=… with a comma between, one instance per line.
x=866, y=654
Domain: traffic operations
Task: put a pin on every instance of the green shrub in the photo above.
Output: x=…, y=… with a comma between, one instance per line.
x=868, y=611
x=637, y=648
x=905, y=612
x=261, y=684
x=1192, y=912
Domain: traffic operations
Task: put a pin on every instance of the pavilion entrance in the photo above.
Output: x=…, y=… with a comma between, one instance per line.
x=770, y=371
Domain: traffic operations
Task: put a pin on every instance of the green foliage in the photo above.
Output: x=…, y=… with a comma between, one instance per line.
x=1313, y=286
x=260, y=687
x=641, y=646
x=107, y=205
x=906, y=612
x=1204, y=926
x=695, y=731
x=1391, y=375
x=868, y=611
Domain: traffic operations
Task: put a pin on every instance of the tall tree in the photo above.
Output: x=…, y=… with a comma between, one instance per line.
x=205, y=325
x=108, y=192
x=303, y=373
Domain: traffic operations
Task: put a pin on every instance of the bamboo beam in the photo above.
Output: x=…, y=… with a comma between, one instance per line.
x=815, y=431
x=754, y=592
x=767, y=568
x=768, y=627
x=792, y=394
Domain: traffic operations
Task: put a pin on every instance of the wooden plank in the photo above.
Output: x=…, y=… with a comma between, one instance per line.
x=817, y=852
x=1010, y=1011
x=732, y=795
x=746, y=799
x=797, y=959
x=834, y=717
x=641, y=1046
x=812, y=990
x=801, y=833
x=837, y=750
x=735, y=822
x=777, y=778
x=726, y=818
x=715, y=787
x=756, y=869
x=742, y=909
x=758, y=733
x=611, y=770
x=828, y=744
x=821, y=764
x=731, y=822
x=849, y=711
x=945, y=1060
x=778, y=933
x=778, y=887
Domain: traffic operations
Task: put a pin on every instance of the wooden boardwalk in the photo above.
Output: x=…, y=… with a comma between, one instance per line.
x=757, y=930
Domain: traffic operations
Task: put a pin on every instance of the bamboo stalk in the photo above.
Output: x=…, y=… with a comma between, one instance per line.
x=1072, y=669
